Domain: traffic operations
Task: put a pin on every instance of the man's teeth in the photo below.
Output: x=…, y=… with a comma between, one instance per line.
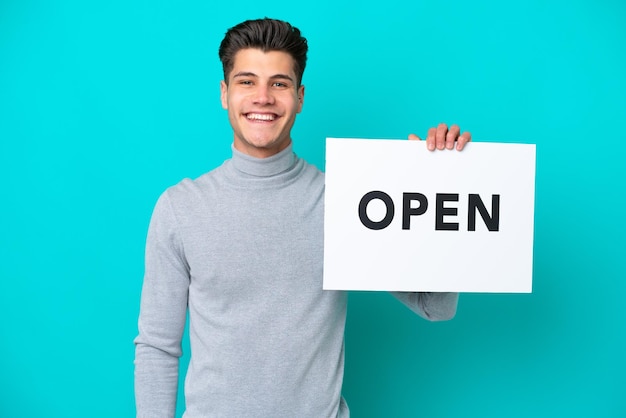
x=259, y=116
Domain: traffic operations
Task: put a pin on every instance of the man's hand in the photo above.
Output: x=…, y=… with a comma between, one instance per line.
x=441, y=137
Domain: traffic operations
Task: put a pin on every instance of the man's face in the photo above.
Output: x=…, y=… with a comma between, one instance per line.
x=262, y=99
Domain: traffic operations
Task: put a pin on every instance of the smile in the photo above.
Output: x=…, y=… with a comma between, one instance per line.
x=260, y=116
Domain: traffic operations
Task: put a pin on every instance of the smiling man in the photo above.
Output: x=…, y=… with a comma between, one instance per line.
x=263, y=94
x=240, y=250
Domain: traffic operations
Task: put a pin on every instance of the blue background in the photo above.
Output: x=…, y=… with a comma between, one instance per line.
x=103, y=104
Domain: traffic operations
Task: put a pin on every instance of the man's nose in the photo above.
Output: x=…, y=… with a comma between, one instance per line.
x=263, y=95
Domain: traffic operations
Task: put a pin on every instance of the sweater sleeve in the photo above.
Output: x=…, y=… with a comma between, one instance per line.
x=430, y=305
x=162, y=316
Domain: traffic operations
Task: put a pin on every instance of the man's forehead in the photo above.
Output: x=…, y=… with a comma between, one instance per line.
x=258, y=62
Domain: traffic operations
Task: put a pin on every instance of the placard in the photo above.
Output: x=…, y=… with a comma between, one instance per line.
x=401, y=218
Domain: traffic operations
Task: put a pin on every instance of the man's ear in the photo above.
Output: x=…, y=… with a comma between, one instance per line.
x=224, y=94
x=300, y=98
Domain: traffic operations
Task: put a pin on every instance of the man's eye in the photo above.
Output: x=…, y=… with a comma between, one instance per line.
x=279, y=84
x=245, y=82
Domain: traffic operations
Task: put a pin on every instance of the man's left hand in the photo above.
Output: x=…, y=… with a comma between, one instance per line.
x=443, y=137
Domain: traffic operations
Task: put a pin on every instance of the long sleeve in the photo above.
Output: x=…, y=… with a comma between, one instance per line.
x=162, y=316
x=239, y=252
x=430, y=305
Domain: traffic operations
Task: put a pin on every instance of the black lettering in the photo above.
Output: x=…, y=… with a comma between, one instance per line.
x=365, y=200
x=492, y=222
x=408, y=211
x=442, y=211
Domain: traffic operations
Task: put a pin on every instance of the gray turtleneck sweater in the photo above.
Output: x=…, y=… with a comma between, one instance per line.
x=241, y=250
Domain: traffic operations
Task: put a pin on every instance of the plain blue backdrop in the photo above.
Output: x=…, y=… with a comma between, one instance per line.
x=104, y=104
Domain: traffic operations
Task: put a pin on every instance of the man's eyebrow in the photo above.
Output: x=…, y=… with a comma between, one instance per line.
x=244, y=74
x=281, y=77
x=274, y=77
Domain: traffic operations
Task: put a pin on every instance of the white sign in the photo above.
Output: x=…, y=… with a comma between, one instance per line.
x=401, y=218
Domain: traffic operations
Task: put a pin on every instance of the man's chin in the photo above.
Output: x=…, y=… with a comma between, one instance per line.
x=262, y=147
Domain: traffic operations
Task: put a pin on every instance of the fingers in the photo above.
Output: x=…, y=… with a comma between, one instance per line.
x=443, y=138
x=431, y=139
x=452, y=136
x=463, y=139
x=440, y=136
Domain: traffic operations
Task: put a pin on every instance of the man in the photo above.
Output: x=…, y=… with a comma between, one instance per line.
x=241, y=250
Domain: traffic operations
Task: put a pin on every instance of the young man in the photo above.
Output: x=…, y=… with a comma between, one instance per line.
x=241, y=250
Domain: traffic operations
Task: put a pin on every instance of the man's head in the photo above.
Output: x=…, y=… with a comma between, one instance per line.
x=262, y=91
x=266, y=35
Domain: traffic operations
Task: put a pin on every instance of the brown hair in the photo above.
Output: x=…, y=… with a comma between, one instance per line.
x=266, y=35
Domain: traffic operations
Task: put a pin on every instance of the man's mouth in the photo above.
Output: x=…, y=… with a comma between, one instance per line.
x=260, y=116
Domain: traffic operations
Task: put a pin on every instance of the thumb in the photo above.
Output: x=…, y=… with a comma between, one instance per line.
x=413, y=137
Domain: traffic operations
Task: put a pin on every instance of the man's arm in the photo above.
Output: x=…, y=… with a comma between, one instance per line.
x=162, y=316
x=430, y=305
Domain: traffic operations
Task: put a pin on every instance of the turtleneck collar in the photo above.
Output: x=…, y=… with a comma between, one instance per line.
x=264, y=167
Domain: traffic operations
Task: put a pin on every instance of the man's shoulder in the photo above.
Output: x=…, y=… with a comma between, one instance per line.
x=191, y=189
